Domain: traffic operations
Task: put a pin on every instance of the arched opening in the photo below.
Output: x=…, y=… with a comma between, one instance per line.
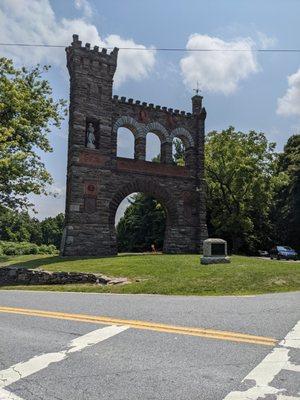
x=182, y=147
x=125, y=143
x=153, y=147
x=178, y=152
x=163, y=201
x=140, y=224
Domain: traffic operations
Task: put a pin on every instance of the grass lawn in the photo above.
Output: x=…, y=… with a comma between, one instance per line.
x=169, y=274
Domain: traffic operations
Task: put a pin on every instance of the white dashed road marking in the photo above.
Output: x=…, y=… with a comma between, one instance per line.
x=37, y=363
x=6, y=395
x=265, y=372
x=262, y=375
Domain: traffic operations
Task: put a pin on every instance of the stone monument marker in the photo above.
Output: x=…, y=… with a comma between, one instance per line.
x=215, y=252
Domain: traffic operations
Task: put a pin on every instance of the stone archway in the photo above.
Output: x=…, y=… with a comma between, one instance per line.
x=98, y=180
x=184, y=135
x=150, y=188
x=188, y=142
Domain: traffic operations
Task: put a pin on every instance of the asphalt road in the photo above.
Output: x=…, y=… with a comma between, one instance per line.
x=124, y=352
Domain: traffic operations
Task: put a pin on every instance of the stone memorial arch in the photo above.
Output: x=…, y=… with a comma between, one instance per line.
x=98, y=180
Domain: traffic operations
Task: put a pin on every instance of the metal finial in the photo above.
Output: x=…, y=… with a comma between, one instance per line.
x=197, y=90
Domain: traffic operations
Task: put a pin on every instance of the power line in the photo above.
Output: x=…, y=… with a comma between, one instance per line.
x=30, y=45
x=164, y=48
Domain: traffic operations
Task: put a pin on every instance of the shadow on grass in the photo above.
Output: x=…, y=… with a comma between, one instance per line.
x=40, y=262
x=138, y=254
x=44, y=261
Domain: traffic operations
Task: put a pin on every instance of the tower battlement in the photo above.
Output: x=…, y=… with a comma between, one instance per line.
x=150, y=106
x=85, y=56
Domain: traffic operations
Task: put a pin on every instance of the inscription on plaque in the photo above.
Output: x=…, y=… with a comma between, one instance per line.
x=217, y=249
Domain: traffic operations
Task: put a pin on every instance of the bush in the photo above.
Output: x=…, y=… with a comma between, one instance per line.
x=47, y=249
x=20, y=248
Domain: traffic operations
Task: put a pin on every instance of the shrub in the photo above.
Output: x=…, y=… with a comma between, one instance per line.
x=47, y=249
x=20, y=248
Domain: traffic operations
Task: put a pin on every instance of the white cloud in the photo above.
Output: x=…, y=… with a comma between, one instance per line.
x=289, y=104
x=47, y=206
x=135, y=64
x=266, y=42
x=219, y=71
x=85, y=6
x=34, y=21
x=57, y=191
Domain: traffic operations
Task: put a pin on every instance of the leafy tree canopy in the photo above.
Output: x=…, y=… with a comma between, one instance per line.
x=20, y=227
x=178, y=152
x=243, y=178
x=241, y=182
x=52, y=228
x=27, y=109
x=287, y=201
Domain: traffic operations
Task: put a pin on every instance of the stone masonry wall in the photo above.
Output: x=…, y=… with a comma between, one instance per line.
x=25, y=276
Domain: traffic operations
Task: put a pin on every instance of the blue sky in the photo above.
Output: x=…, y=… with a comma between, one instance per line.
x=246, y=90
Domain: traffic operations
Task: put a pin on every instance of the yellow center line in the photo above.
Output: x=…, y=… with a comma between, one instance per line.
x=157, y=327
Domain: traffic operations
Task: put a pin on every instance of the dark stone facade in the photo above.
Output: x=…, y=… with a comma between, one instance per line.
x=98, y=180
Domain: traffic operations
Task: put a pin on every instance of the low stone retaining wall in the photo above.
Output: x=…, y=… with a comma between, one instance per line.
x=24, y=276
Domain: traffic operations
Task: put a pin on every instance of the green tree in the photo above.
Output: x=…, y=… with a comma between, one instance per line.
x=287, y=205
x=241, y=182
x=27, y=110
x=52, y=228
x=19, y=227
x=142, y=225
x=178, y=152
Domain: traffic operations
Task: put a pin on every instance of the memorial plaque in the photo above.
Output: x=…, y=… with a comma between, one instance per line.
x=90, y=204
x=90, y=188
x=217, y=249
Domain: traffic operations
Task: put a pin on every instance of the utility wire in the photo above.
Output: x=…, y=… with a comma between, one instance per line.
x=164, y=49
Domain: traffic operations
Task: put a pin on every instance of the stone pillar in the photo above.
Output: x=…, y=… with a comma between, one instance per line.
x=199, y=115
x=91, y=78
x=166, y=153
x=197, y=104
x=189, y=155
x=140, y=148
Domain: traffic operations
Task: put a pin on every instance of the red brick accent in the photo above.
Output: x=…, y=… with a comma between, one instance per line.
x=92, y=158
x=126, y=164
x=91, y=188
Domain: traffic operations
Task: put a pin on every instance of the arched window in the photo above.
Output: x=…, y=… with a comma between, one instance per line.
x=153, y=147
x=183, y=147
x=178, y=152
x=125, y=143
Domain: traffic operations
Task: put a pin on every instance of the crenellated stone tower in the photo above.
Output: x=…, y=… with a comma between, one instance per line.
x=98, y=180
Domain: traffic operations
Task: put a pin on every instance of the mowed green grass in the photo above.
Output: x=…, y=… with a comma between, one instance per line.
x=169, y=274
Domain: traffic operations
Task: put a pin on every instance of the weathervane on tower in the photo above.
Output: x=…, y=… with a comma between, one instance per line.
x=197, y=90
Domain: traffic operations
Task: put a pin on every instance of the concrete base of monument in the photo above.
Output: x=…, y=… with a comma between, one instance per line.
x=205, y=260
